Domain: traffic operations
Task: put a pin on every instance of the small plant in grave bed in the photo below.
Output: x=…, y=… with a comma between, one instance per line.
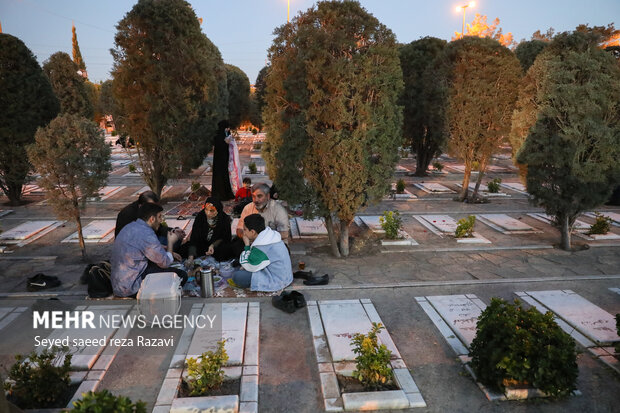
x=400, y=186
x=493, y=186
x=40, y=380
x=514, y=345
x=601, y=226
x=252, y=168
x=206, y=373
x=104, y=401
x=391, y=223
x=132, y=168
x=465, y=227
x=438, y=166
x=372, y=360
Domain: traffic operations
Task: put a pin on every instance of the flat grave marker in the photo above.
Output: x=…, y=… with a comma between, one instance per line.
x=28, y=231
x=434, y=188
x=460, y=312
x=484, y=190
x=589, y=319
x=98, y=231
x=548, y=219
x=107, y=191
x=333, y=324
x=260, y=170
x=506, y=224
x=515, y=186
x=309, y=228
x=401, y=170
x=145, y=188
x=373, y=223
x=9, y=314
x=615, y=217
x=446, y=225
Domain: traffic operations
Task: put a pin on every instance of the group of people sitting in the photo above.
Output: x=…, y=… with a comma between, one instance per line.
x=144, y=246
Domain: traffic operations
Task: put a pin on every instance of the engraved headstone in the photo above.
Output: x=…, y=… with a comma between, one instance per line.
x=314, y=227
x=98, y=229
x=433, y=187
x=443, y=223
x=26, y=230
x=373, y=223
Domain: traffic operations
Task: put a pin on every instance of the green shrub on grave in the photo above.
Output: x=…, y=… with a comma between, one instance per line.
x=372, y=360
x=601, y=226
x=104, y=401
x=252, y=168
x=400, y=186
x=132, y=168
x=391, y=223
x=465, y=227
x=523, y=346
x=195, y=186
x=493, y=186
x=438, y=166
x=39, y=380
x=205, y=372
x=254, y=131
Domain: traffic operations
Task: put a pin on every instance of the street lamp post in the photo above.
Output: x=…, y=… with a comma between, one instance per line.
x=464, y=7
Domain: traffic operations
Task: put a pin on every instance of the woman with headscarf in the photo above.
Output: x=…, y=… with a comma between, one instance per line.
x=210, y=232
x=220, y=181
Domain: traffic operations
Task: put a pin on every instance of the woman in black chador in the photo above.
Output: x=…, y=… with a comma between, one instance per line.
x=220, y=182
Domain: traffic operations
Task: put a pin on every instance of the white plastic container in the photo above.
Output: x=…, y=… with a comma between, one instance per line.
x=159, y=295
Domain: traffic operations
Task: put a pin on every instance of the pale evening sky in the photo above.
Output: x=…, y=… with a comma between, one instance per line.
x=243, y=29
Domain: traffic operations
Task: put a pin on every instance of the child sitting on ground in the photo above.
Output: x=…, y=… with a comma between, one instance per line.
x=243, y=196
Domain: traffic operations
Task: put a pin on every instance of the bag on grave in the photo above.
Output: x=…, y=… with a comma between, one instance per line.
x=99, y=281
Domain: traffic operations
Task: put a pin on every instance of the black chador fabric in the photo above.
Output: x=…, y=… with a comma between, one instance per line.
x=220, y=182
x=203, y=235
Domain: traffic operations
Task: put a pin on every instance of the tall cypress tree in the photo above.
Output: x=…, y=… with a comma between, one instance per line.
x=332, y=116
x=238, y=86
x=77, y=55
x=28, y=102
x=170, y=88
x=572, y=146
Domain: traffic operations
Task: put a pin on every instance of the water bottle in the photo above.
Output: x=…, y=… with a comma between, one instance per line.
x=206, y=282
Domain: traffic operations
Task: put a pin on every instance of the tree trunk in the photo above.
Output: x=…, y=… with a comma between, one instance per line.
x=463, y=195
x=333, y=241
x=565, y=230
x=78, y=221
x=14, y=194
x=344, y=238
x=483, y=167
x=423, y=158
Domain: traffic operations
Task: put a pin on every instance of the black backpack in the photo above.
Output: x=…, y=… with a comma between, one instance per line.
x=98, y=280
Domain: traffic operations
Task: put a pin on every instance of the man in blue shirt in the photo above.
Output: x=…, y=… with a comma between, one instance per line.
x=137, y=252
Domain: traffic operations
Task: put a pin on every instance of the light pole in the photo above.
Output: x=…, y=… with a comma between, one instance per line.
x=464, y=7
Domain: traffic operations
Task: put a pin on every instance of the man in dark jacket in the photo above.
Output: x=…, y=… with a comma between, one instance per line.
x=130, y=212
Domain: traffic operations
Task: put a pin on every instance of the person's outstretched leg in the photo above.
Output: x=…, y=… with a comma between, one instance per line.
x=242, y=278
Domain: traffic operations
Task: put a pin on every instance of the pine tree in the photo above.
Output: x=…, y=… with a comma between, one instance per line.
x=68, y=86
x=72, y=158
x=169, y=87
x=423, y=126
x=77, y=55
x=28, y=102
x=332, y=115
x=572, y=146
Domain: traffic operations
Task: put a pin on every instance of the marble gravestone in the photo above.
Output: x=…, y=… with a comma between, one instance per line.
x=460, y=313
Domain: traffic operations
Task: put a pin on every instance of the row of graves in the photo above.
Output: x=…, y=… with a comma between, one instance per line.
x=333, y=326
x=441, y=225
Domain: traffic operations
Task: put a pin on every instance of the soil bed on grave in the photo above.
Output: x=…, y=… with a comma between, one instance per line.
x=60, y=404
x=228, y=387
x=349, y=384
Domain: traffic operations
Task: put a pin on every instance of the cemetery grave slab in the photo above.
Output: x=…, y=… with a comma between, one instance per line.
x=506, y=224
x=145, y=188
x=302, y=228
x=579, y=226
x=260, y=170
x=434, y=188
x=484, y=190
x=240, y=328
x=405, y=196
x=98, y=231
x=28, y=232
x=446, y=225
x=515, y=186
x=333, y=324
x=9, y=314
x=615, y=217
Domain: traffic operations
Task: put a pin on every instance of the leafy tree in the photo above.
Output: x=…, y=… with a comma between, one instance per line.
x=423, y=126
x=527, y=51
x=92, y=91
x=332, y=115
x=72, y=158
x=68, y=86
x=480, y=28
x=238, y=86
x=480, y=79
x=572, y=148
x=27, y=101
x=608, y=35
x=77, y=55
x=545, y=37
x=170, y=88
